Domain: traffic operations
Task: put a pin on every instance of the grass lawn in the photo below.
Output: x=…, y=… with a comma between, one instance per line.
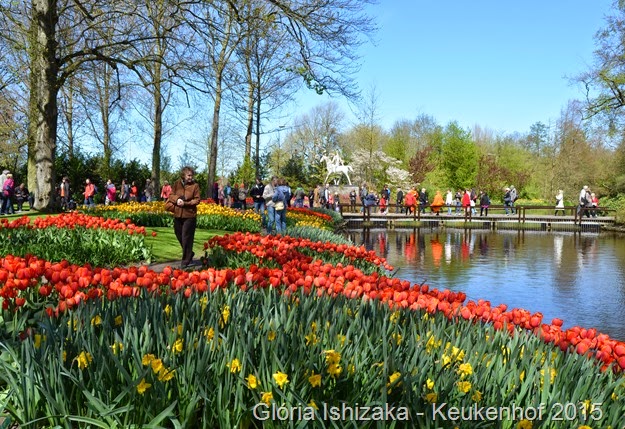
x=166, y=247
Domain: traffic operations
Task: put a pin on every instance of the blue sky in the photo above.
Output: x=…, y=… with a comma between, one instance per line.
x=502, y=65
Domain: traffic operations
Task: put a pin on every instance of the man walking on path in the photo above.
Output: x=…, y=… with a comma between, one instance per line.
x=185, y=195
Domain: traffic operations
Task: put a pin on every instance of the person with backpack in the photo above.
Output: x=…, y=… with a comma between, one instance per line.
x=259, y=202
x=242, y=196
x=268, y=195
x=299, y=197
x=8, y=188
x=124, y=191
x=65, y=193
x=111, y=191
x=352, y=200
x=165, y=191
x=513, y=197
x=134, y=191
x=228, y=195
x=399, y=196
x=281, y=195
x=89, y=193
x=3, y=177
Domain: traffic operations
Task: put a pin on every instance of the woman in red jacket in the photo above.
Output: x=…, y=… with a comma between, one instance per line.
x=466, y=202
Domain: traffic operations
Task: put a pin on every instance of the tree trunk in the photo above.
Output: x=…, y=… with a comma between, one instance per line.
x=43, y=108
x=158, y=135
x=257, y=157
x=250, y=121
x=212, y=153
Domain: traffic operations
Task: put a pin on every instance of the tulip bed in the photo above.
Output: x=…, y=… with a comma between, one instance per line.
x=75, y=237
x=210, y=216
x=283, y=320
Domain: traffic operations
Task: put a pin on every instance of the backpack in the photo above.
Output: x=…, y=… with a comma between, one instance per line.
x=95, y=188
x=278, y=195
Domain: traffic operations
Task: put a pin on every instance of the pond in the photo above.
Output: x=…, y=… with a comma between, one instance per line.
x=579, y=278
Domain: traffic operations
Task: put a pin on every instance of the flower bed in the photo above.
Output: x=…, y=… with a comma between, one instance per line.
x=75, y=237
x=284, y=321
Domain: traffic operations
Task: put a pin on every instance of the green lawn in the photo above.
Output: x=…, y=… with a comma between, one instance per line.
x=165, y=245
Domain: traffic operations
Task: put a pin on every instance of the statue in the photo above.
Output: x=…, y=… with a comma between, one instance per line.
x=336, y=165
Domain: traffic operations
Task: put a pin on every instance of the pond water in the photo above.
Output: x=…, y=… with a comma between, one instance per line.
x=579, y=278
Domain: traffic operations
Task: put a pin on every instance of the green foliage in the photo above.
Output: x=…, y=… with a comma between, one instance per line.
x=245, y=173
x=294, y=171
x=459, y=157
x=316, y=234
x=87, y=367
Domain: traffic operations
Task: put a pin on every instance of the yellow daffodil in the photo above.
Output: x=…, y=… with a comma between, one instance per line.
x=429, y=384
x=341, y=339
x=464, y=386
x=37, y=340
x=157, y=365
x=477, y=396
x=178, y=328
x=311, y=339
x=83, y=359
x=143, y=386
x=271, y=335
x=252, y=381
x=313, y=404
x=117, y=347
x=266, y=397
x=147, y=359
x=209, y=333
x=119, y=320
x=431, y=397
x=315, y=379
x=165, y=374
x=524, y=424
x=281, y=379
x=225, y=315
x=465, y=369
x=234, y=365
x=334, y=370
x=96, y=320
x=332, y=357
x=167, y=310
x=178, y=345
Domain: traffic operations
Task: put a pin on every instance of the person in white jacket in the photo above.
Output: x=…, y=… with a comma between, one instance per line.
x=269, y=203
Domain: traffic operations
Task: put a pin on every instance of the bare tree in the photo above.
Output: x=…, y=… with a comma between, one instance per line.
x=60, y=37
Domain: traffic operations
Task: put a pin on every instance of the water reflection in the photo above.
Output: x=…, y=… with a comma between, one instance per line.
x=579, y=278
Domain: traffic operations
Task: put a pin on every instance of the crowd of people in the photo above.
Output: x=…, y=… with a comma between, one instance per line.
x=12, y=195
x=462, y=201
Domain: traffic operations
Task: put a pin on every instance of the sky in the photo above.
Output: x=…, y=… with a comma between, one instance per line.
x=502, y=65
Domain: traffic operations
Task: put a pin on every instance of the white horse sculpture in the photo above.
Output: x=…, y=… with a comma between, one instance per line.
x=335, y=165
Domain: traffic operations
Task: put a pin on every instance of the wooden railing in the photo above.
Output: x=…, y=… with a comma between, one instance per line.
x=520, y=212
